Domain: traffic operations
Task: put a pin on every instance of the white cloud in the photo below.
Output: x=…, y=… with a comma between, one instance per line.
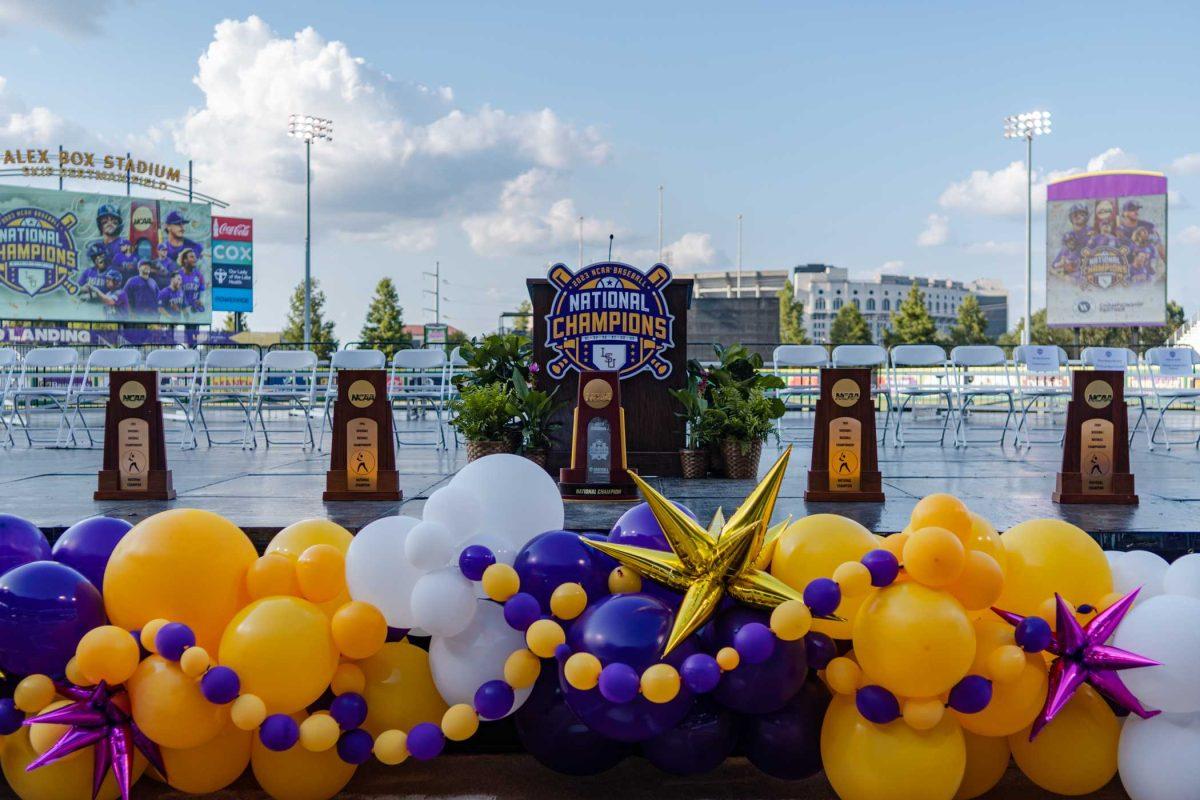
x=23, y=124
x=1190, y=235
x=1112, y=158
x=992, y=247
x=891, y=267
x=937, y=231
x=689, y=252
x=67, y=17
x=1187, y=165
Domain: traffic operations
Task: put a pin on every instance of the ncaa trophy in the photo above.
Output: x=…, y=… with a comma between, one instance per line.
x=135, y=450
x=1095, y=462
x=362, y=458
x=598, y=468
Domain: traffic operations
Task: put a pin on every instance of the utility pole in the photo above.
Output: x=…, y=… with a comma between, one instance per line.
x=660, y=223
x=436, y=291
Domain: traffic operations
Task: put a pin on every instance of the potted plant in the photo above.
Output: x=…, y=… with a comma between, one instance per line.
x=698, y=424
x=743, y=420
x=535, y=410
x=493, y=359
x=485, y=416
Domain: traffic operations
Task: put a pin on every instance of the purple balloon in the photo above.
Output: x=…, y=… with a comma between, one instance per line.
x=628, y=629
x=639, y=528
x=971, y=695
x=45, y=609
x=11, y=717
x=819, y=649
x=172, y=639
x=877, y=704
x=699, y=743
x=494, y=699
x=754, y=643
x=619, y=683
x=220, y=685
x=822, y=596
x=700, y=673
x=21, y=542
x=349, y=710
x=1033, y=634
x=756, y=688
x=553, y=558
x=279, y=732
x=425, y=741
x=550, y=732
x=87, y=545
x=787, y=743
x=473, y=560
x=522, y=610
x=354, y=747
x=883, y=567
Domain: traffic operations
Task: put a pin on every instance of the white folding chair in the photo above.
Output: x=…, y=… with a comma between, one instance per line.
x=799, y=366
x=1122, y=358
x=178, y=371
x=417, y=383
x=345, y=359
x=10, y=362
x=867, y=355
x=455, y=365
x=981, y=385
x=93, y=387
x=47, y=376
x=229, y=375
x=1043, y=375
x=1171, y=378
x=288, y=379
x=921, y=362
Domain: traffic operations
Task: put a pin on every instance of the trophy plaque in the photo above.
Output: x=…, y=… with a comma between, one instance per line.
x=845, y=464
x=135, y=451
x=1095, y=464
x=362, y=459
x=598, y=470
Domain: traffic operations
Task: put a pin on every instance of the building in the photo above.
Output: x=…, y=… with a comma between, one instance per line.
x=993, y=299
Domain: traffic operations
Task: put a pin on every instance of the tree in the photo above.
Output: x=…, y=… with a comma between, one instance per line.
x=322, y=332
x=971, y=327
x=1097, y=337
x=911, y=323
x=230, y=323
x=384, y=324
x=524, y=323
x=849, y=327
x=791, y=317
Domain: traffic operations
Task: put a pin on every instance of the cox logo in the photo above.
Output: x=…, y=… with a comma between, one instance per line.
x=233, y=253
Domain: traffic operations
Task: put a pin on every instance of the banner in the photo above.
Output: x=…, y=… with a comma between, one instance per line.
x=1106, y=250
x=69, y=256
x=233, y=264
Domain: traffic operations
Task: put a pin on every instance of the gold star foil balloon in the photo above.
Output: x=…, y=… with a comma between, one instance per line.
x=707, y=564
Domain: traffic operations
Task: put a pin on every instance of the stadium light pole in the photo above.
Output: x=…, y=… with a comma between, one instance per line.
x=1026, y=126
x=660, y=223
x=310, y=129
x=739, y=260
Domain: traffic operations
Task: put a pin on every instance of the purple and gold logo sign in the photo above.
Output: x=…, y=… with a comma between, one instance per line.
x=37, y=251
x=612, y=317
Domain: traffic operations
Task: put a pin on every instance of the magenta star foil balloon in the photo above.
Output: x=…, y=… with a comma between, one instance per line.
x=1083, y=657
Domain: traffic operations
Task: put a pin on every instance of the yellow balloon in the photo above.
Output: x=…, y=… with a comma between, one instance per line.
x=813, y=547
x=865, y=761
x=282, y=650
x=934, y=557
x=941, y=511
x=34, y=693
x=298, y=774
x=359, y=630
x=987, y=761
x=984, y=539
x=44, y=735
x=272, y=574
x=913, y=640
x=107, y=653
x=1076, y=754
x=321, y=571
x=66, y=779
x=213, y=765
x=980, y=584
x=169, y=708
x=299, y=536
x=183, y=565
x=1015, y=702
x=1045, y=556
x=400, y=691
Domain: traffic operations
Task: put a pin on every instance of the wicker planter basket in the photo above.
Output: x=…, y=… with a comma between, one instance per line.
x=695, y=463
x=479, y=449
x=739, y=464
x=536, y=456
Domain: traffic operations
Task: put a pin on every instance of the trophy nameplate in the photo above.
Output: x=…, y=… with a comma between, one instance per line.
x=845, y=463
x=1095, y=465
x=135, y=450
x=598, y=469
x=362, y=458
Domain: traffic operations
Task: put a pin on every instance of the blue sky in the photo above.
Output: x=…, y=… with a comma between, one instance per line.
x=476, y=133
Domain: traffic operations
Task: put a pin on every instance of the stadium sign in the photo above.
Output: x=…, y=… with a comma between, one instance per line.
x=44, y=162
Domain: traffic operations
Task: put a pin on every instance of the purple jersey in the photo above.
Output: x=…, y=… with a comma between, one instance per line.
x=171, y=301
x=115, y=256
x=120, y=306
x=173, y=251
x=142, y=295
x=193, y=289
x=92, y=277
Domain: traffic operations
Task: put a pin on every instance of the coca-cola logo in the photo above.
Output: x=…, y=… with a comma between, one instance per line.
x=232, y=228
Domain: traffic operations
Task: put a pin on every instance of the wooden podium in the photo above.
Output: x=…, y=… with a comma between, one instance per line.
x=362, y=458
x=598, y=468
x=135, y=451
x=1095, y=464
x=845, y=463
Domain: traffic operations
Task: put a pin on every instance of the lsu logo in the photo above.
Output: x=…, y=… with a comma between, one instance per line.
x=37, y=251
x=610, y=317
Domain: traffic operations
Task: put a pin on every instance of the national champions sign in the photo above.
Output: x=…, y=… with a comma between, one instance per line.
x=612, y=317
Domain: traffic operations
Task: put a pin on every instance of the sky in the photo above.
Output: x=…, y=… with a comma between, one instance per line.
x=475, y=134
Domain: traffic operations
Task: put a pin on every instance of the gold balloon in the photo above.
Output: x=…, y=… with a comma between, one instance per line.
x=1076, y=754
x=299, y=536
x=1015, y=703
x=66, y=779
x=399, y=689
x=987, y=761
x=813, y=547
x=169, y=708
x=298, y=774
x=984, y=539
x=213, y=765
x=1045, y=556
x=865, y=761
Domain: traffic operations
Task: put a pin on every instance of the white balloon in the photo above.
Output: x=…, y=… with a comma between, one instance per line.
x=504, y=552
x=1167, y=629
x=377, y=571
x=461, y=664
x=428, y=546
x=518, y=498
x=1113, y=557
x=456, y=509
x=1159, y=758
x=1183, y=576
x=1139, y=568
x=443, y=602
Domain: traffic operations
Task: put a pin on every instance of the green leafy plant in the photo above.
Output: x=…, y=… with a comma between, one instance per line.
x=494, y=359
x=736, y=368
x=486, y=413
x=535, y=409
x=743, y=417
x=702, y=426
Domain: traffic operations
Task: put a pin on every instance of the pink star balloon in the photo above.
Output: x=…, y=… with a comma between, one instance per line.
x=98, y=721
x=1083, y=657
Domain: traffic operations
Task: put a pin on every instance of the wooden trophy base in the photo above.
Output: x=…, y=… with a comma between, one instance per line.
x=1068, y=489
x=573, y=485
x=159, y=486
x=387, y=487
x=870, y=491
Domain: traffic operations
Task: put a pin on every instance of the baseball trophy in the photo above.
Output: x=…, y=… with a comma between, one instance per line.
x=598, y=470
x=135, y=451
x=362, y=459
x=1095, y=463
x=845, y=464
